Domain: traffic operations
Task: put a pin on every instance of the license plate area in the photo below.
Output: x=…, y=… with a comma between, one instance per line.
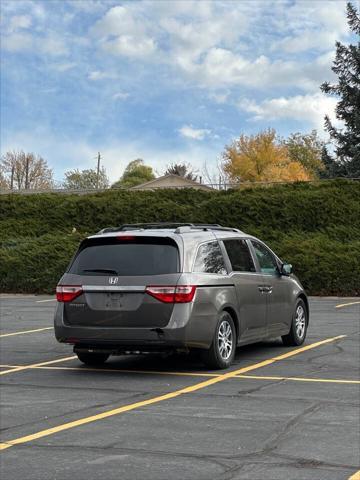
x=114, y=301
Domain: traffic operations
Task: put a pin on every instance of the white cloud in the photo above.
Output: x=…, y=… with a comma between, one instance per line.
x=50, y=45
x=19, y=22
x=123, y=30
x=64, y=67
x=98, y=75
x=130, y=46
x=219, y=97
x=315, y=25
x=17, y=42
x=121, y=96
x=195, y=133
x=309, y=108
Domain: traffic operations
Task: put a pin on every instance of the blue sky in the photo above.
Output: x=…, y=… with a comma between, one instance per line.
x=166, y=81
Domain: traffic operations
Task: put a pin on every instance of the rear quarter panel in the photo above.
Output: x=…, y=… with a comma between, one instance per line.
x=213, y=294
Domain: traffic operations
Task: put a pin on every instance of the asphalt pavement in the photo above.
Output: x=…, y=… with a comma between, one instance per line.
x=279, y=413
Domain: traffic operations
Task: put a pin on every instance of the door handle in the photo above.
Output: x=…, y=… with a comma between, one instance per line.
x=267, y=289
x=261, y=289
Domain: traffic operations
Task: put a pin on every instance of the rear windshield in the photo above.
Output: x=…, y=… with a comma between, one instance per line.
x=134, y=257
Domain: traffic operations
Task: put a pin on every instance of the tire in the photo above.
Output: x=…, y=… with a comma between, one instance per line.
x=92, y=359
x=221, y=353
x=299, y=325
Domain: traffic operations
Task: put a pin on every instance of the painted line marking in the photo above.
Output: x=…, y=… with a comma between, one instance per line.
x=347, y=304
x=44, y=301
x=161, y=398
x=190, y=374
x=300, y=379
x=25, y=331
x=356, y=476
x=28, y=367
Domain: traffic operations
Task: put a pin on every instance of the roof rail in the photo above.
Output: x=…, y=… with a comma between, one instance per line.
x=214, y=227
x=179, y=227
x=151, y=226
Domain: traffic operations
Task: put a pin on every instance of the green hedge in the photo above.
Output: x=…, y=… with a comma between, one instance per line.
x=314, y=227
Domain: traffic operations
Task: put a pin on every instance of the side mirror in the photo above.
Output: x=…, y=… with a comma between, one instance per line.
x=286, y=269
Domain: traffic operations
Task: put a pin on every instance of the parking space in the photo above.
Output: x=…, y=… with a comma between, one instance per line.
x=278, y=413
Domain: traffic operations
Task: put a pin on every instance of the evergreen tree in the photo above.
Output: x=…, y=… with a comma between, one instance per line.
x=332, y=169
x=347, y=68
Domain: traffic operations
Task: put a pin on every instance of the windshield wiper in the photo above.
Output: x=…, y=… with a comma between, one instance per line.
x=101, y=270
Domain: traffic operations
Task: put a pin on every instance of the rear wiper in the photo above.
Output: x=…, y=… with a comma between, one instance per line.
x=101, y=270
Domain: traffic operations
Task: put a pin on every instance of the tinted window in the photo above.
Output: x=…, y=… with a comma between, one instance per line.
x=239, y=256
x=209, y=259
x=126, y=258
x=266, y=258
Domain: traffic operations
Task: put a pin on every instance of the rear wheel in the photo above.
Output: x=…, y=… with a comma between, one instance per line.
x=299, y=324
x=92, y=359
x=222, y=351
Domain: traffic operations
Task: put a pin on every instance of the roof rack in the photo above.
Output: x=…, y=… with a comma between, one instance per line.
x=179, y=227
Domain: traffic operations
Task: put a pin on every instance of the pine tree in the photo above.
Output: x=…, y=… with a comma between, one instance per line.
x=332, y=169
x=347, y=68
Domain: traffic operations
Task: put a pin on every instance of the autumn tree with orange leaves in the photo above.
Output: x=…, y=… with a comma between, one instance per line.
x=262, y=158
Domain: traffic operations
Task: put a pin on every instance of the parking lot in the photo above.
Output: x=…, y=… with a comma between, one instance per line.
x=278, y=413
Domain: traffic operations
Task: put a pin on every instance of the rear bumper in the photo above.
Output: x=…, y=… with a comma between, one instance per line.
x=178, y=334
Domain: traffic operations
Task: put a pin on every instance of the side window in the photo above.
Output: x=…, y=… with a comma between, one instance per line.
x=209, y=259
x=266, y=259
x=239, y=256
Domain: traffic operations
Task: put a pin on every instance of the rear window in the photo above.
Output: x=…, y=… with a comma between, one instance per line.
x=126, y=258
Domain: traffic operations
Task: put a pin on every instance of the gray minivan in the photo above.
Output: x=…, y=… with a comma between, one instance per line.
x=144, y=288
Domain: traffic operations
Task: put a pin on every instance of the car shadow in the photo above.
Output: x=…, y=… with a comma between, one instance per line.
x=191, y=362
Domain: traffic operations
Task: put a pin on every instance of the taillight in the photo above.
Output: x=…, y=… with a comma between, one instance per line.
x=172, y=294
x=126, y=237
x=67, y=293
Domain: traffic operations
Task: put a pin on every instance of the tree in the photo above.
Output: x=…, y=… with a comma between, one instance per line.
x=347, y=68
x=306, y=149
x=135, y=173
x=182, y=169
x=332, y=168
x=85, y=179
x=4, y=184
x=261, y=157
x=22, y=170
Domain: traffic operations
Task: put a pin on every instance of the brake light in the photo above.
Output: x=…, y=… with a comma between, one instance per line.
x=126, y=237
x=172, y=294
x=67, y=293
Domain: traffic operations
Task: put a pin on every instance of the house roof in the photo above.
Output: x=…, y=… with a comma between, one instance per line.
x=186, y=182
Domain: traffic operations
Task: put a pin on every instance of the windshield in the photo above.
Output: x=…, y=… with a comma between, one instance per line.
x=141, y=256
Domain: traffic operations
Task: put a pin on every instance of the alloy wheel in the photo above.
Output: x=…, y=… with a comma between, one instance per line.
x=225, y=340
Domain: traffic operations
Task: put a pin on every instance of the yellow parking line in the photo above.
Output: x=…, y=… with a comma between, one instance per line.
x=346, y=304
x=161, y=398
x=190, y=374
x=299, y=379
x=28, y=367
x=356, y=476
x=25, y=331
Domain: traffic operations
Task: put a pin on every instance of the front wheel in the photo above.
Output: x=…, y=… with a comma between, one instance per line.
x=92, y=359
x=299, y=324
x=222, y=351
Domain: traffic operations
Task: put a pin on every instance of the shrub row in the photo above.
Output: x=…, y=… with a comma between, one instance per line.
x=314, y=227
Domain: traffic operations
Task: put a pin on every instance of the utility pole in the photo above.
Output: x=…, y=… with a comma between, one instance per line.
x=27, y=173
x=98, y=170
x=12, y=177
